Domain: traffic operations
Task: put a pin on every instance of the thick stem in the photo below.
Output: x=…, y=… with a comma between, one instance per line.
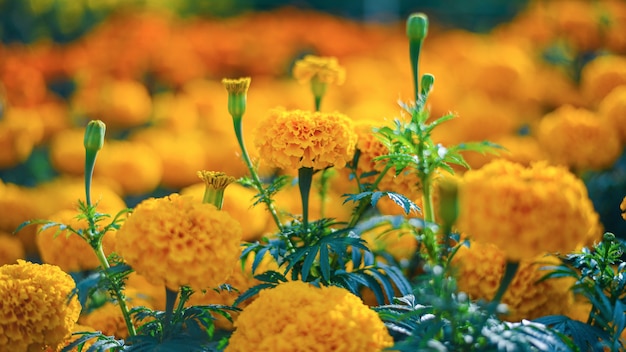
x=170, y=301
x=415, y=46
x=90, y=163
x=117, y=291
x=237, y=121
x=305, y=177
x=509, y=273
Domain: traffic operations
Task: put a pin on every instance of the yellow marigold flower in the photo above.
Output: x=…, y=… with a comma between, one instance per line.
x=34, y=310
x=578, y=138
x=120, y=159
x=18, y=204
x=179, y=241
x=20, y=130
x=292, y=139
x=622, y=207
x=326, y=69
x=480, y=269
x=11, y=248
x=601, y=75
x=67, y=250
x=526, y=211
x=613, y=109
x=181, y=153
x=296, y=316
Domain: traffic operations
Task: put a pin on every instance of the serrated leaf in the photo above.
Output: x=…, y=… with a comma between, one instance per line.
x=307, y=264
x=583, y=335
x=251, y=292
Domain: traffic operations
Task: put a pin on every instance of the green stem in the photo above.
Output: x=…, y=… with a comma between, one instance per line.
x=116, y=290
x=170, y=301
x=363, y=205
x=90, y=163
x=509, y=273
x=237, y=121
x=318, y=103
x=415, y=47
x=305, y=176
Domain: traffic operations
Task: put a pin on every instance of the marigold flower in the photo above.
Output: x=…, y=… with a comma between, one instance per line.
x=20, y=130
x=18, y=204
x=601, y=75
x=215, y=184
x=179, y=241
x=11, y=248
x=67, y=250
x=292, y=139
x=237, y=95
x=613, y=109
x=578, y=138
x=526, y=211
x=238, y=203
x=622, y=207
x=34, y=309
x=480, y=269
x=325, y=69
x=296, y=316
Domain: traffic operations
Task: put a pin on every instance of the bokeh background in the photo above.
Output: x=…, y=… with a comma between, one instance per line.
x=151, y=70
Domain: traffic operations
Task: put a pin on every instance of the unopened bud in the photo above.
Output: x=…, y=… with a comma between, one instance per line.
x=417, y=26
x=94, y=135
x=427, y=83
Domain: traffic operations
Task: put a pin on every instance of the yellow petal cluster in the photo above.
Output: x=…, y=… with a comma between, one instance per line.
x=177, y=240
x=526, y=211
x=292, y=139
x=296, y=316
x=481, y=267
x=325, y=69
x=34, y=308
x=579, y=138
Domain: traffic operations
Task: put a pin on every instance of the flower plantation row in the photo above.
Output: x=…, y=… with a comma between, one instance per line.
x=345, y=197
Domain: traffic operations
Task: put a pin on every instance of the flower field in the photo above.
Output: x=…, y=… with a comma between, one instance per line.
x=292, y=180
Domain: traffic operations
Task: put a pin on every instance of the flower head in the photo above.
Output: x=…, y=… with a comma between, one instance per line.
x=579, y=138
x=324, y=69
x=292, y=139
x=526, y=211
x=237, y=95
x=481, y=267
x=179, y=241
x=296, y=316
x=215, y=184
x=34, y=308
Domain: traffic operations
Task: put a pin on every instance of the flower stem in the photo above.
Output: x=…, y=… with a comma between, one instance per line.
x=116, y=290
x=237, y=121
x=170, y=301
x=90, y=163
x=305, y=176
x=509, y=273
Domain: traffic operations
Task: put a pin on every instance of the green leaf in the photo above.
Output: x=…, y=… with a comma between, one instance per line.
x=584, y=336
x=308, y=261
x=325, y=263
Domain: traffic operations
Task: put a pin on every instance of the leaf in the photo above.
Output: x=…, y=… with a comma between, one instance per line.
x=325, y=263
x=251, y=292
x=355, y=197
x=308, y=261
x=407, y=205
x=583, y=335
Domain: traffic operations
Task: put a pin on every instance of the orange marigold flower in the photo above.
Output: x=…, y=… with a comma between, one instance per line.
x=622, y=207
x=613, y=109
x=20, y=131
x=326, y=69
x=178, y=241
x=526, y=211
x=480, y=269
x=296, y=316
x=292, y=139
x=601, y=75
x=34, y=309
x=579, y=138
x=60, y=248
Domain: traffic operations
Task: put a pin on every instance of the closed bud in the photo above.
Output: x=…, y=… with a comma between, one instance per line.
x=417, y=26
x=94, y=136
x=427, y=83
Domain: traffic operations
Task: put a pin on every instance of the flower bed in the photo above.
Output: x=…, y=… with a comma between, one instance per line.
x=479, y=212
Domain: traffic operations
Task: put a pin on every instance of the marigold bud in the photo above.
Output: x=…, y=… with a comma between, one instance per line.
x=427, y=83
x=94, y=135
x=417, y=26
x=237, y=95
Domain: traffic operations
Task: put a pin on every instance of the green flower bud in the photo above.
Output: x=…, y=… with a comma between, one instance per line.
x=237, y=95
x=427, y=83
x=94, y=136
x=417, y=26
